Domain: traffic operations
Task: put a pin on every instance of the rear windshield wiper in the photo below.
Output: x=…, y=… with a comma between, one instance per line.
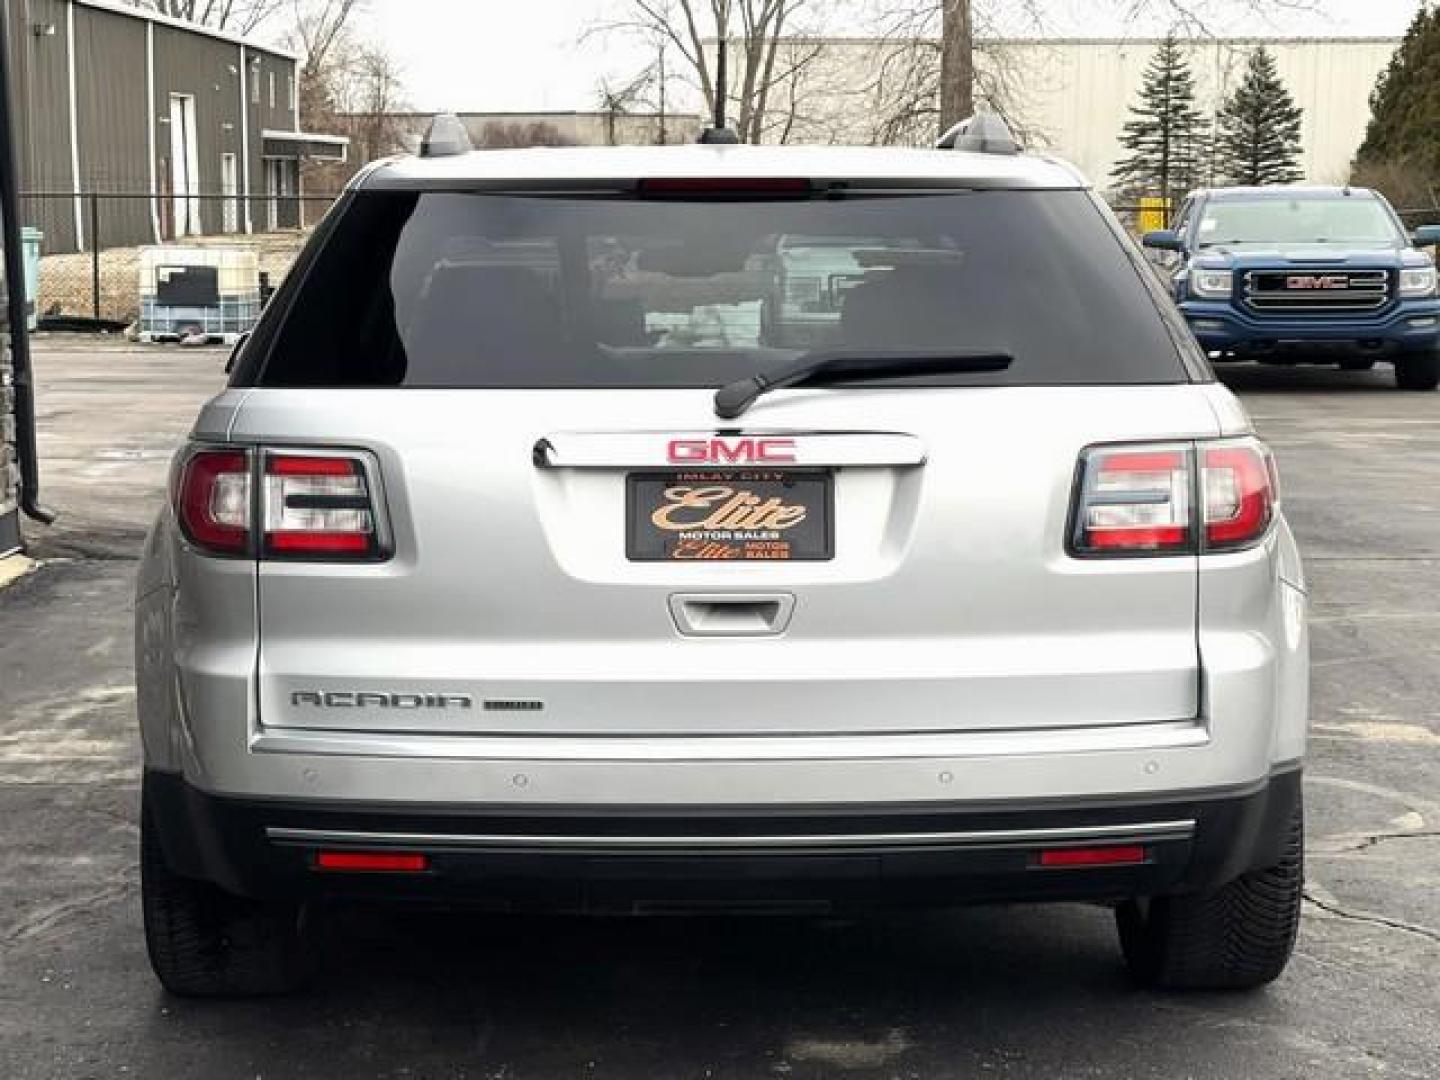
x=842, y=365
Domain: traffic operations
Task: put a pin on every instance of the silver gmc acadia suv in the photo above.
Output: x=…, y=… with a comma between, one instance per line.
x=568, y=538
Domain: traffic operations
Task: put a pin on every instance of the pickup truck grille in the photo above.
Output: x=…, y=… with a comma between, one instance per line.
x=1322, y=292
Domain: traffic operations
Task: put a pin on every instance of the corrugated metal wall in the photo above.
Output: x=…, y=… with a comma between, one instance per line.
x=210, y=71
x=42, y=105
x=111, y=116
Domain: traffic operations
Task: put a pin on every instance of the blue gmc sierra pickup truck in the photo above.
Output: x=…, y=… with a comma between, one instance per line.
x=1306, y=275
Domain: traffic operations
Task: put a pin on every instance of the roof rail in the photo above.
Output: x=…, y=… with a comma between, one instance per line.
x=445, y=137
x=984, y=133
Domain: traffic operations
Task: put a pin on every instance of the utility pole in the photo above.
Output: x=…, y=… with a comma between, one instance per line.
x=957, y=63
x=664, y=78
x=722, y=50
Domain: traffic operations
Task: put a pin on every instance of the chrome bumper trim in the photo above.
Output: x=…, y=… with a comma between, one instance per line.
x=866, y=746
x=1139, y=832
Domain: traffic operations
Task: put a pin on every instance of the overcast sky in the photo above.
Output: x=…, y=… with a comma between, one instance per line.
x=520, y=55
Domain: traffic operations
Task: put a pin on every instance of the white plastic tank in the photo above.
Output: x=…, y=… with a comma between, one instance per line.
x=190, y=293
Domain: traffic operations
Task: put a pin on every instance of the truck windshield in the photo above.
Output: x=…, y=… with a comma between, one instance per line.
x=1342, y=219
x=467, y=289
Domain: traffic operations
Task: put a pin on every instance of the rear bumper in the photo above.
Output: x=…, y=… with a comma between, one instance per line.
x=1223, y=327
x=807, y=857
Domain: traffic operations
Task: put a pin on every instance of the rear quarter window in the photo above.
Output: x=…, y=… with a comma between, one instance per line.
x=467, y=289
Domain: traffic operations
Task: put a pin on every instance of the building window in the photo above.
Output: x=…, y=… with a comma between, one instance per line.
x=255, y=82
x=290, y=91
x=272, y=89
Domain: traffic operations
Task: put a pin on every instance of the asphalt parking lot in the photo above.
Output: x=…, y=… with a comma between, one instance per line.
x=1017, y=992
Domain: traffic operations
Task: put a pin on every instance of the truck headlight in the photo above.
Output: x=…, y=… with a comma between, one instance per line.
x=1212, y=284
x=1417, y=281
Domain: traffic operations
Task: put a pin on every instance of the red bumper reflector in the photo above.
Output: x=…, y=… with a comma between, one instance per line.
x=1093, y=856
x=387, y=861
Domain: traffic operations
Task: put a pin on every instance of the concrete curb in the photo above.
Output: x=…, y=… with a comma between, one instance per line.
x=13, y=568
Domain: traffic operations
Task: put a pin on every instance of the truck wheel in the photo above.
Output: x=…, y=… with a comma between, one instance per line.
x=204, y=942
x=1236, y=938
x=1418, y=371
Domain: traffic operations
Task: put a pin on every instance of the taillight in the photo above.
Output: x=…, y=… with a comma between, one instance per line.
x=1239, y=485
x=212, y=500
x=1142, y=499
x=318, y=506
x=311, y=505
x=1134, y=500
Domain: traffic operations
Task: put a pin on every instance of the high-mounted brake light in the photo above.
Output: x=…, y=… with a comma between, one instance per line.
x=722, y=186
x=212, y=500
x=1142, y=499
x=318, y=506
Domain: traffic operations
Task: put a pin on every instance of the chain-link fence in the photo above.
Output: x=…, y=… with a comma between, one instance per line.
x=92, y=251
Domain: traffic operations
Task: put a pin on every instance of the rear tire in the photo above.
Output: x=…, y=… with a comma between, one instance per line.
x=205, y=942
x=1418, y=371
x=1236, y=938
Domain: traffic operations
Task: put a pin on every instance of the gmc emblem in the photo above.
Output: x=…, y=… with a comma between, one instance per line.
x=1317, y=281
x=731, y=451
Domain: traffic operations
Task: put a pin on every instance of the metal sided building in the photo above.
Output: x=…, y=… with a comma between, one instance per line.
x=113, y=99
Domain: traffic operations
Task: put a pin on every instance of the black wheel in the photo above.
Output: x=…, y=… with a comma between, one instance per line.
x=204, y=942
x=1356, y=365
x=1418, y=371
x=1236, y=938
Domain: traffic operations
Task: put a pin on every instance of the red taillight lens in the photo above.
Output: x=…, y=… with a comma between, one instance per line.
x=1239, y=487
x=318, y=506
x=1140, y=500
x=212, y=500
x=1134, y=500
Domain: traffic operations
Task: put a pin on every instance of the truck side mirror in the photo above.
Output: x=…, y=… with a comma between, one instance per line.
x=1426, y=236
x=1163, y=240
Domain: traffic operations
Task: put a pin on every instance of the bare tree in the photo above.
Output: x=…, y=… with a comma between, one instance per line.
x=753, y=33
x=240, y=16
x=943, y=54
x=369, y=101
x=500, y=134
x=320, y=30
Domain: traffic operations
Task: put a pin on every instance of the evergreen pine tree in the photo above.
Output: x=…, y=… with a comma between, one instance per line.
x=1165, y=135
x=1258, y=141
x=1404, y=132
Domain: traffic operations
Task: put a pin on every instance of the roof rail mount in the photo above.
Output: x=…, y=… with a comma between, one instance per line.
x=718, y=136
x=984, y=133
x=445, y=137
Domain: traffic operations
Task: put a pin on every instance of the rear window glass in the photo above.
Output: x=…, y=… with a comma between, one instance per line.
x=445, y=289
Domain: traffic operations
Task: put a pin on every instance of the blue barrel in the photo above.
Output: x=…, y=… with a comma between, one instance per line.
x=30, y=240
